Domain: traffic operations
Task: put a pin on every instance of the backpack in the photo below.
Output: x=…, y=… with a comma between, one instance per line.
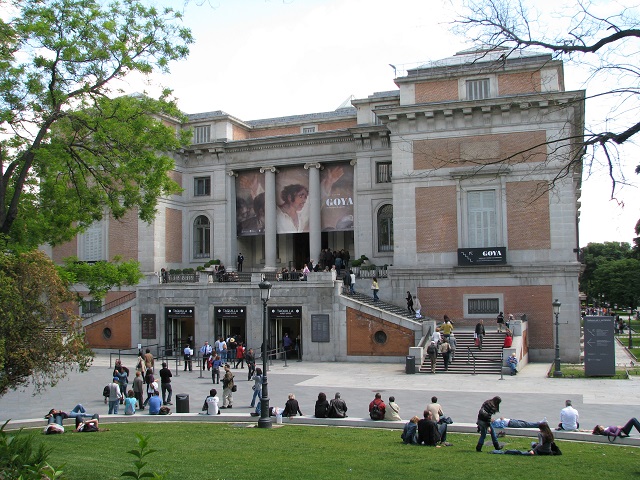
x=105, y=391
x=376, y=412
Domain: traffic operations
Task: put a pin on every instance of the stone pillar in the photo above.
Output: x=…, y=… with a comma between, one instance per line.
x=232, y=231
x=269, y=218
x=315, y=207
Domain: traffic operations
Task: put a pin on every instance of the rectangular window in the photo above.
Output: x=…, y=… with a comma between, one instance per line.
x=309, y=129
x=383, y=172
x=202, y=134
x=90, y=306
x=202, y=186
x=478, y=89
x=483, y=306
x=481, y=210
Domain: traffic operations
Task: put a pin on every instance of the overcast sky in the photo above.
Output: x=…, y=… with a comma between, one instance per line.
x=269, y=58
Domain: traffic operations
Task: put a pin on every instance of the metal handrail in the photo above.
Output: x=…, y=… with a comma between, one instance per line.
x=470, y=353
x=108, y=306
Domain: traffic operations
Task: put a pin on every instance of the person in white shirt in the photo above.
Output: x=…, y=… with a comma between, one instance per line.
x=569, y=418
x=210, y=406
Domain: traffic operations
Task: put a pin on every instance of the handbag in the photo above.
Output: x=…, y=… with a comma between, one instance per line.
x=477, y=342
x=234, y=388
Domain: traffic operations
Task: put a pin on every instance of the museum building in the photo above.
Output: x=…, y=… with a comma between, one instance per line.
x=461, y=186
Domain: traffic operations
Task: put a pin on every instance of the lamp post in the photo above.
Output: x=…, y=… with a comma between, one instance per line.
x=265, y=420
x=556, y=311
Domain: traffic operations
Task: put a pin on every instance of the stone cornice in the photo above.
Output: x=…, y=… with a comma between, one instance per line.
x=498, y=105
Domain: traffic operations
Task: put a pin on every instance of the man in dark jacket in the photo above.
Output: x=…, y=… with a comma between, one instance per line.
x=337, y=407
x=165, y=384
x=430, y=433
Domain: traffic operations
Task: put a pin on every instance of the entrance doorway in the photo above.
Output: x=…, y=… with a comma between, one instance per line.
x=179, y=325
x=286, y=320
x=300, y=250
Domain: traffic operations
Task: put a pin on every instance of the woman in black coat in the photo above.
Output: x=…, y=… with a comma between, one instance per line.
x=322, y=406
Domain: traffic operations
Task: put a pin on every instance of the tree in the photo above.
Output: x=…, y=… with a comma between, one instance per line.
x=100, y=277
x=594, y=257
x=619, y=281
x=41, y=340
x=602, y=36
x=70, y=150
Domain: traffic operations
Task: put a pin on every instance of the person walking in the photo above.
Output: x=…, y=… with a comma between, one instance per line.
x=206, y=350
x=432, y=351
x=250, y=358
x=352, y=284
x=227, y=388
x=165, y=384
x=479, y=334
x=138, y=390
x=257, y=387
x=188, y=354
x=489, y=408
x=375, y=288
x=410, y=304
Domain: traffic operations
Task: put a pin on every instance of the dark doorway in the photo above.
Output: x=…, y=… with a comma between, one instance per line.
x=300, y=249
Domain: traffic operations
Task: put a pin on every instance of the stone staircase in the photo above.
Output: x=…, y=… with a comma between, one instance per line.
x=487, y=361
x=387, y=307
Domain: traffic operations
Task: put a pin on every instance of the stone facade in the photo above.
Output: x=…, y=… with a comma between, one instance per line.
x=468, y=155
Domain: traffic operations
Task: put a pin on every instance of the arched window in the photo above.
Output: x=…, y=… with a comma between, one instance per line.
x=201, y=237
x=385, y=228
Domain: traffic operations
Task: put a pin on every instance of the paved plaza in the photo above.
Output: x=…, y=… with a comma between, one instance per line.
x=530, y=395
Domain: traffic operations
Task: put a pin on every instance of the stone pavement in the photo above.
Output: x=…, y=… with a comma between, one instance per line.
x=530, y=395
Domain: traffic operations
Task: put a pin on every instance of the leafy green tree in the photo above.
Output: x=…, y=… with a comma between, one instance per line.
x=619, y=281
x=41, y=340
x=100, y=277
x=71, y=149
x=594, y=255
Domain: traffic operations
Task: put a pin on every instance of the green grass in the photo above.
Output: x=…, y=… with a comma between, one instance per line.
x=577, y=371
x=203, y=451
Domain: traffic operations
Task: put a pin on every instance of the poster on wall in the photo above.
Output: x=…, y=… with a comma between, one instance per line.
x=292, y=192
x=250, y=203
x=292, y=200
x=336, y=193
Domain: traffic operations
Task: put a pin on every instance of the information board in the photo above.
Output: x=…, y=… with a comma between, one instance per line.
x=320, y=328
x=599, y=347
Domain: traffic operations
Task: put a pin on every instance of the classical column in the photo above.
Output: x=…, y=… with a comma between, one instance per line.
x=232, y=231
x=269, y=218
x=315, y=207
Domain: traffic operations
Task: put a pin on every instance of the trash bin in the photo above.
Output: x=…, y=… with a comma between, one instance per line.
x=411, y=364
x=182, y=403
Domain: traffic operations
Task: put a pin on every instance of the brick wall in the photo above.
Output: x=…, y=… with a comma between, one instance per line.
x=120, y=326
x=436, y=219
x=273, y=132
x=176, y=177
x=123, y=236
x=528, y=216
x=60, y=252
x=173, y=236
x=239, y=133
x=436, y=91
x=480, y=149
x=325, y=127
x=361, y=328
x=535, y=301
x=515, y=83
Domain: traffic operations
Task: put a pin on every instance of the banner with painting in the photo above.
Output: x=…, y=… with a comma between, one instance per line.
x=250, y=203
x=292, y=200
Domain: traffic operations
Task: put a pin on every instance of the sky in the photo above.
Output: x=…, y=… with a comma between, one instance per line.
x=259, y=59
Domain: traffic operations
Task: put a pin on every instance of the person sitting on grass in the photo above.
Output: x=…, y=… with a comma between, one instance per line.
x=617, y=431
x=410, y=432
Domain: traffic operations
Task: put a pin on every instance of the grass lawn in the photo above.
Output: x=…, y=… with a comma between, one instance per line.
x=202, y=451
